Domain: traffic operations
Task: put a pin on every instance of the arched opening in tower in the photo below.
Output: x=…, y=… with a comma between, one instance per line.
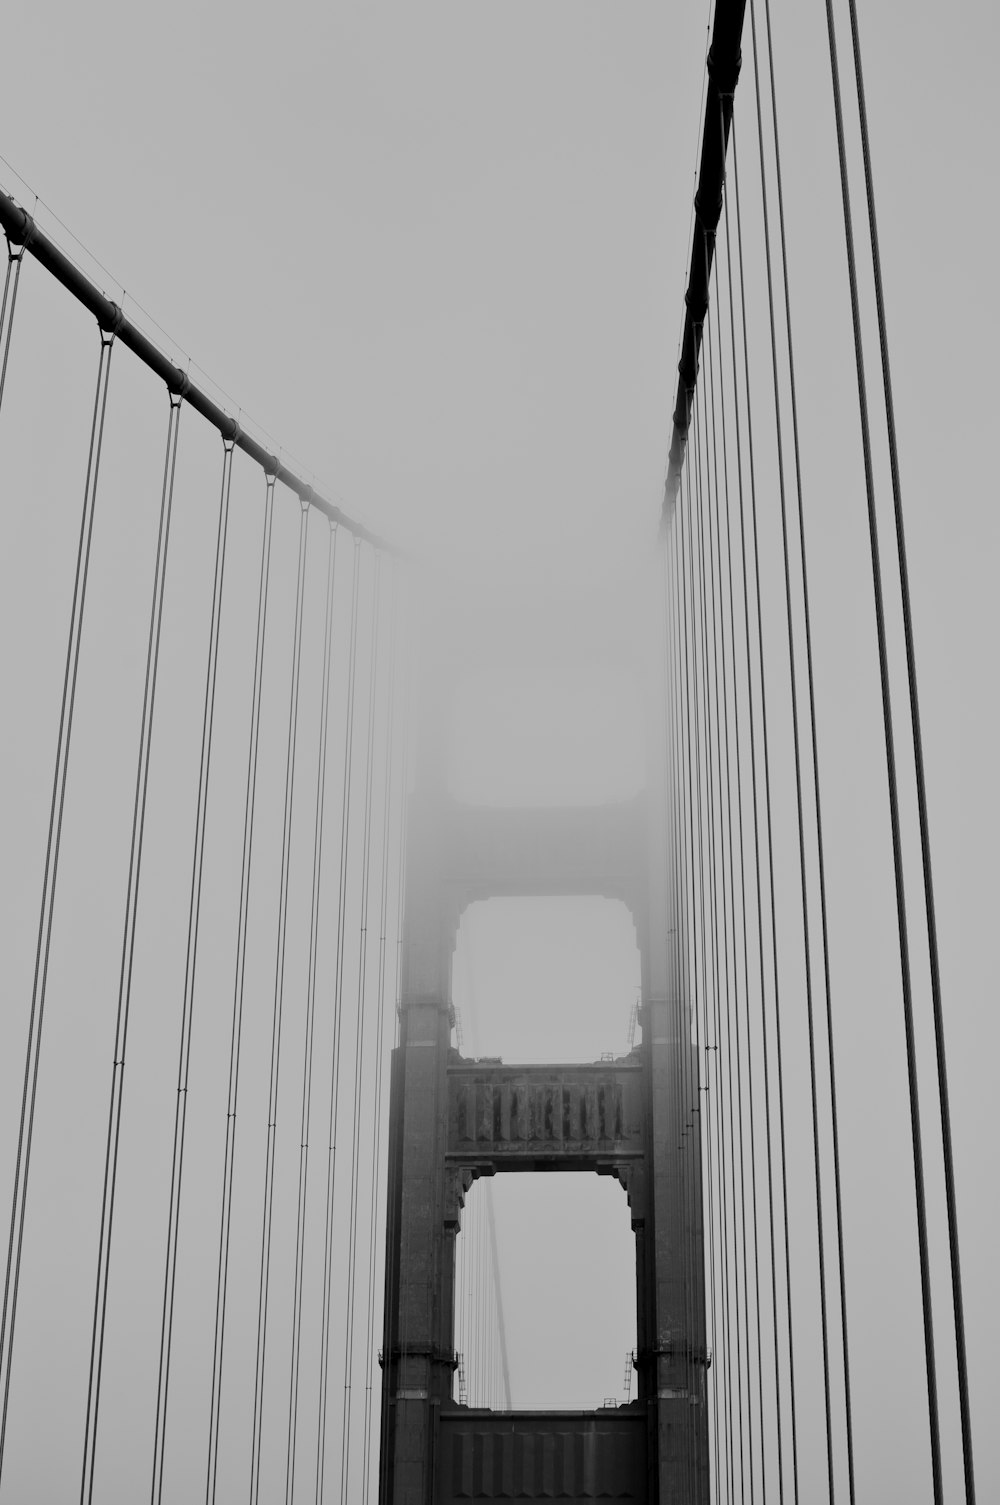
x=545, y=1304
x=546, y=979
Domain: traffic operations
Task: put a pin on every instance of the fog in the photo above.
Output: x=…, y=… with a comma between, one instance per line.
x=438, y=252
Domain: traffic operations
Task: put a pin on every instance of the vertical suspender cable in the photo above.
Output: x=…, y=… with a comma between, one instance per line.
x=338, y=999
x=697, y=493
x=15, y=1241
x=127, y=963
x=190, y=967
x=769, y=827
x=278, y=1011
x=695, y=823
x=236, y=1034
x=814, y=746
x=751, y=722
x=921, y=788
x=737, y=1152
x=918, y=764
x=359, y=1034
x=307, y=1063
x=12, y=277
x=715, y=538
x=716, y=360
x=380, y=994
x=797, y=759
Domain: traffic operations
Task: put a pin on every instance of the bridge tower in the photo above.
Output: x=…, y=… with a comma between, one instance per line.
x=453, y=1120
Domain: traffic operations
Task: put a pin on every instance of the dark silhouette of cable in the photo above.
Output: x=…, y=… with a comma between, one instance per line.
x=307, y=1059
x=236, y=1031
x=796, y=747
x=277, y=1013
x=716, y=542
x=190, y=969
x=692, y=1005
x=736, y=1112
x=756, y=845
x=820, y=854
x=36, y=1017
x=675, y=1086
x=769, y=828
x=127, y=963
x=374, y=638
x=697, y=507
x=741, y=847
x=920, y=780
x=669, y=701
x=12, y=278
x=694, y=669
x=376, y=1140
x=687, y=879
x=392, y=1155
x=338, y=999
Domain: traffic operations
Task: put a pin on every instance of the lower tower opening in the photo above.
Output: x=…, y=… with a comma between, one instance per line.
x=545, y=1294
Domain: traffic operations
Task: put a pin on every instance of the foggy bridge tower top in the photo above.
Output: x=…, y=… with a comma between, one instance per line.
x=452, y=1120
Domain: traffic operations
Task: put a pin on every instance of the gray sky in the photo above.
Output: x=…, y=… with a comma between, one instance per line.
x=439, y=251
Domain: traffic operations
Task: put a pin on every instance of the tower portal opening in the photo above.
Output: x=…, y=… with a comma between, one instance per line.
x=560, y=1251
x=553, y=979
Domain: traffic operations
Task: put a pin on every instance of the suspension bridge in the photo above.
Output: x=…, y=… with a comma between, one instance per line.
x=251, y=1134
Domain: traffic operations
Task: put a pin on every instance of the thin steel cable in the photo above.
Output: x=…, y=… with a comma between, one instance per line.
x=733, y=1019
x=374, y=639
x=277, y=1013
x=377, y=1125
x=921, y=787
x=338, y=999
x=307, y=1052
x=737, y=1152
x=796, y=742
x=11, y=281
x=733, y=758
x=389, y=1314
x=127, y=964
x=814, y=748
x=36, y=1017
x=695, y=511
x=698, y=947
x=715, y=863
x=769, y=828
x=503, y=1377
x=670, y=774
x=754, y=787
x=722, y=1350
x=188, y=998
x=697, y=845
x=691, y=994
x=923, y=819
x=236, y=1032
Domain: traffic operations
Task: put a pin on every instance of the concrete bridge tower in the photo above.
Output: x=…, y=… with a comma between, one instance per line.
x=452, y=1120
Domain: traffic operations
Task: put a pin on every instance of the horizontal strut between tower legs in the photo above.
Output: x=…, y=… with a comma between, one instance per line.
x=432, y=1351
x=697, y=1353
